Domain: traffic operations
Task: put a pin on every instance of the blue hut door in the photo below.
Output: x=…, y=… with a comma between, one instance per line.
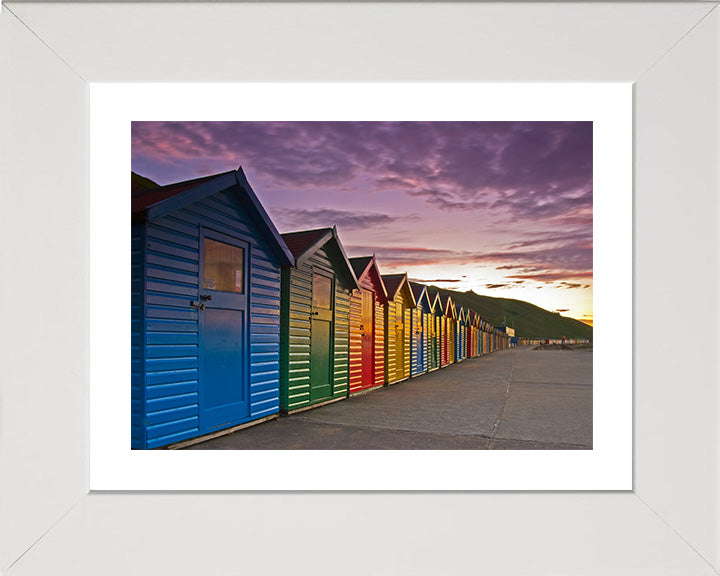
x=321, y=331
x=222, y=307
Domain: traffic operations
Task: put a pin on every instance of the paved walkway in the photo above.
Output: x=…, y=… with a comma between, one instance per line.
x=515, y=399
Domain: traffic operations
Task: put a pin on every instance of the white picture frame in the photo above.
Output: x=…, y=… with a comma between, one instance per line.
x=668, y=524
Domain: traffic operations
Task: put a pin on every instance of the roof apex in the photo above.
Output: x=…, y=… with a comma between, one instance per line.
x=157, y=202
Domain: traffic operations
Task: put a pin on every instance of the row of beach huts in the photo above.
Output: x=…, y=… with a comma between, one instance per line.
x=233, y=323
x=550, y=341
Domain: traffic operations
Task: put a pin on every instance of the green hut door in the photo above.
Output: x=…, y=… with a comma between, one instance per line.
x=321, y=374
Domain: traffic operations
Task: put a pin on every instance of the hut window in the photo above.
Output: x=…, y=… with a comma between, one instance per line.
x=322, y=291
x=224, y=267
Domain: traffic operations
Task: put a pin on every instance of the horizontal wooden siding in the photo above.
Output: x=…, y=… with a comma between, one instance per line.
x=137, y=339
x=171, y=325
x=341, y=361
x=355, y=342
x=415, y=348
x=390, y=342
x=297, y=308
x=380, y=338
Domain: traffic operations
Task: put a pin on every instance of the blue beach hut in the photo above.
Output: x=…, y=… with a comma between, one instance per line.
x=421, y=330
x=206, y=265
x=460, y=335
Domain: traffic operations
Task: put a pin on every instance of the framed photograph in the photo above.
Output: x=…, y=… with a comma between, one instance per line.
x=73, y=499
x=113, y=465
x=384, y=220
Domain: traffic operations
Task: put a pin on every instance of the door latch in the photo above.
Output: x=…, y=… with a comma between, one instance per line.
x=200, y=304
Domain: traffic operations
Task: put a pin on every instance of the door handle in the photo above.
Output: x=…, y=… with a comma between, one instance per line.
x=198, y=305
x=206, y=297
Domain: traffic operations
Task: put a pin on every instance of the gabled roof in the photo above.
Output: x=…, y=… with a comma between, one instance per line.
x=393, y=282
x=448, y=306
x=367, y=265
x=396, y=282
x=420, y=291
x=361, y=264
x=143, y=199
x=157, y=202
x=301, y=242
x=306, y=243
x=436, y=302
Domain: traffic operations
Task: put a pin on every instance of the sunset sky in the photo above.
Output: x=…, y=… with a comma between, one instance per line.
x=501, y=208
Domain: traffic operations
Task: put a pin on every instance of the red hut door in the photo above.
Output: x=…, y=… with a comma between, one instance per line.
x=368, y=339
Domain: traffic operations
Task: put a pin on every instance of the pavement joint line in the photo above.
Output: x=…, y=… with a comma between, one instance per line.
x=389, y=429
x=459, y=434
x=415, y=426
x=496, y=424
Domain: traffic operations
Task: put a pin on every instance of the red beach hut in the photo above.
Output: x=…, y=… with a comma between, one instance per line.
x=367, y=326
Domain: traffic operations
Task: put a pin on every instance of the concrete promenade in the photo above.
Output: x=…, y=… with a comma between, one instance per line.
x=515, y=399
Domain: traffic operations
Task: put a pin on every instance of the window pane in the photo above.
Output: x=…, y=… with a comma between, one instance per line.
x=322, y=292
x=224, y=266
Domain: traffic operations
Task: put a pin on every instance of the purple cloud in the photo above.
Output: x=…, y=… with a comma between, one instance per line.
x=422, y=281
x=530, y=169
x=514, y=196
x=550, y=277
x=404, y=256
x=289, y=219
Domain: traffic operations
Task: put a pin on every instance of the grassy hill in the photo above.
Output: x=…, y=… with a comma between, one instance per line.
x=528, y=320
x=140, y=183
